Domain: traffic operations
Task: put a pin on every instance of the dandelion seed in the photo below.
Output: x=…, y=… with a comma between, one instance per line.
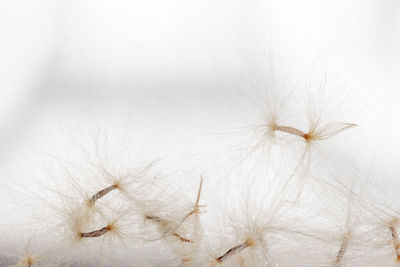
x=234, y=250
x=315, y=133
x=290, y=130
x=96, y=233
x=102, y=193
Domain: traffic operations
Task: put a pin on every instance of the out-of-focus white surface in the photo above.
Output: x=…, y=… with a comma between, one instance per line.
x=154, y=74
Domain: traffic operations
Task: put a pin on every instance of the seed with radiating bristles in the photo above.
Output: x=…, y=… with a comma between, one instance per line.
x=234, y=250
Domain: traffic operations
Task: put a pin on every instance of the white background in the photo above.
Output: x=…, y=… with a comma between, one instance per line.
x=156, y=74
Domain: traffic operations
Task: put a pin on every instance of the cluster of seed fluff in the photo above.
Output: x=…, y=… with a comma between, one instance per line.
x=279, y=201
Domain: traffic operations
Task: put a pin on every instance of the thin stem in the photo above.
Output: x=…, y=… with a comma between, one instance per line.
x=346, y=239
x=196, y=207
x=199, y=193
x=232, y=251
x=183, y=239
x=195, y=210
x=342, y=250
x=161, y=222
x=96, y=233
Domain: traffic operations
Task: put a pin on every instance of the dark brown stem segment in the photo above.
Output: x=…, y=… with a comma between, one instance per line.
x=153, y=218
x=96, y=233
x=233, y=251
x=395, y=239
x=102, y=193
x=342, y=250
